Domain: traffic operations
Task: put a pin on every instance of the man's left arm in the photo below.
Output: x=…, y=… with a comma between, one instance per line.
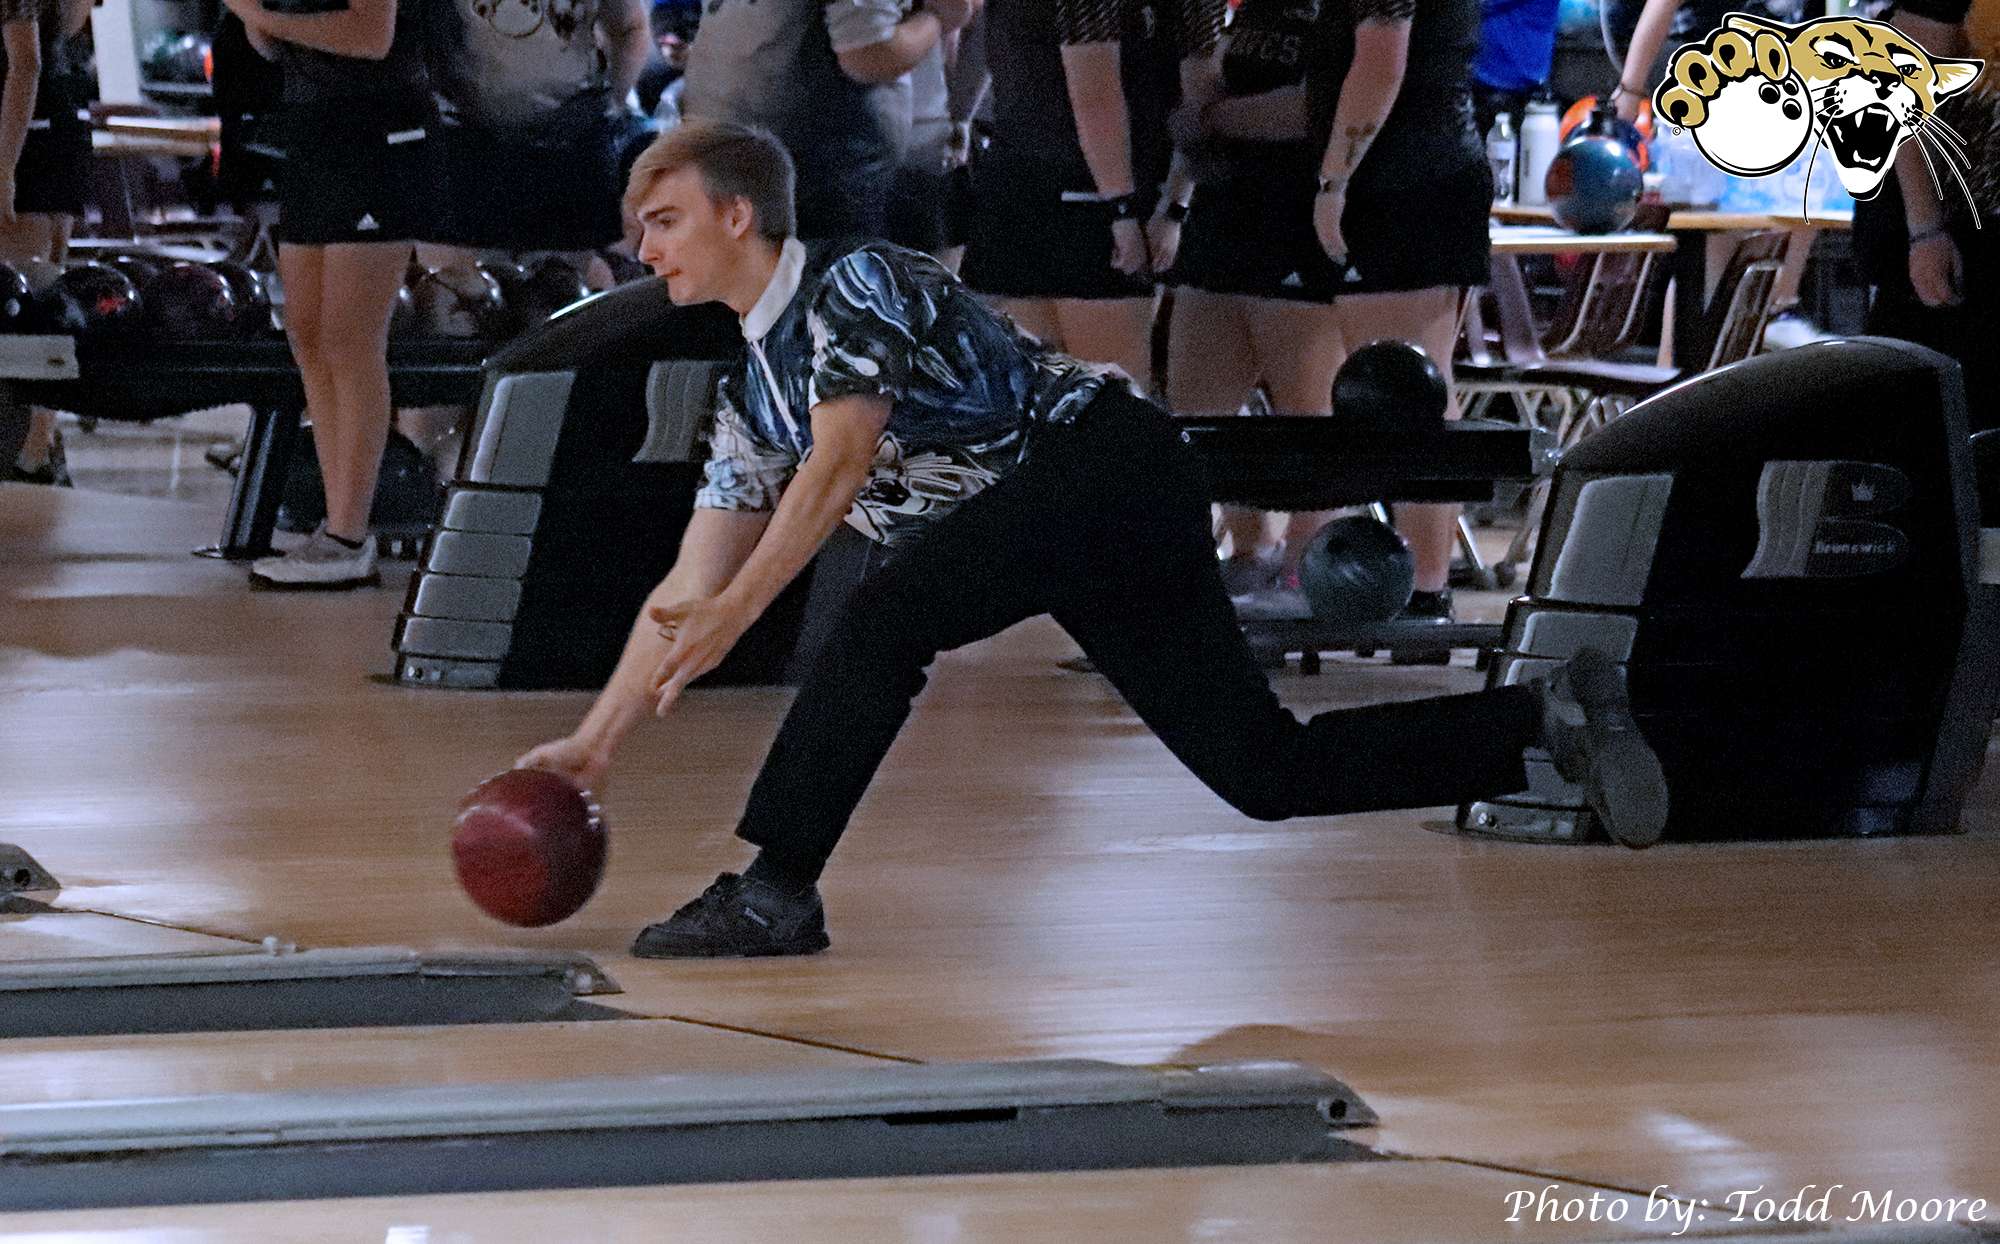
x=846, y=431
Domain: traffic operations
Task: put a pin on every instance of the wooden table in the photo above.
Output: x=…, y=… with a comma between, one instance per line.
x=1707, y=237
x=1544, y=239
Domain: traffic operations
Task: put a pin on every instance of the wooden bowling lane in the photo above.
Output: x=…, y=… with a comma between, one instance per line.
x=1397, y=1202
x=1033, y=875
x=27, y=934
x=183, y=1065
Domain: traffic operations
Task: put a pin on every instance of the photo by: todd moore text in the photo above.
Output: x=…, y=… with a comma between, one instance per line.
x=1813, y=1203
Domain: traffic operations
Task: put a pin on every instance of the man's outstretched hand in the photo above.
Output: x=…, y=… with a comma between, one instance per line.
x=581, y=762
x=699, y=634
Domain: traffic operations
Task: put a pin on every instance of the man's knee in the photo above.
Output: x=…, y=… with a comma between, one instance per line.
x=1260, y=802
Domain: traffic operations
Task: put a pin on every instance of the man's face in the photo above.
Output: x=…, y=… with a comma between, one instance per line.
x=689, y=239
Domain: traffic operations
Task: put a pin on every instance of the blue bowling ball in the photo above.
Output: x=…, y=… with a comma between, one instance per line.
x=1594, y=184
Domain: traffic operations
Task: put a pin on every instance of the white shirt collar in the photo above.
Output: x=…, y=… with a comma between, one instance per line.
x=778, y=294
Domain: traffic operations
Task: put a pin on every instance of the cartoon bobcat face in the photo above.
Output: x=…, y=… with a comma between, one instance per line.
x=1872, y=88
x=1867, y=89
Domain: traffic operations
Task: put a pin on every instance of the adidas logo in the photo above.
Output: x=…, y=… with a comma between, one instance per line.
x=1353, y=275
x=1293, y=281
x=1864, y=492
x=367, y=221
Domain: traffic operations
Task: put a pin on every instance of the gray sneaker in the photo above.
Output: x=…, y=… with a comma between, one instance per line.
x=322, y=563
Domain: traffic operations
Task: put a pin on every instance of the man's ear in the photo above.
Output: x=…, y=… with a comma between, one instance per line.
x=739, y=218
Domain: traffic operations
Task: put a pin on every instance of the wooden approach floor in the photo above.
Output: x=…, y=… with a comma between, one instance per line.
x=1033, y=875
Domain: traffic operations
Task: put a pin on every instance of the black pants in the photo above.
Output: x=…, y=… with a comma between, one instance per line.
x=1106, y=527
x=1969, y=331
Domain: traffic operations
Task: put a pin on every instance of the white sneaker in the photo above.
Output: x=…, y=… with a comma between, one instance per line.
x=1273, y=604
x=1245, y=574
x=321, y=562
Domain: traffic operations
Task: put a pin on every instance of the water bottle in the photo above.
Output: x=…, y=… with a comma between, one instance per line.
x=1540, y=130
x=1500, y=151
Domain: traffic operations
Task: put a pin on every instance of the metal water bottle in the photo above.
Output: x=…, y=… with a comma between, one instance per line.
x=1540, y=132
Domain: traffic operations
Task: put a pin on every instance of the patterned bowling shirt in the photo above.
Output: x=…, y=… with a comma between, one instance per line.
x=965, y=386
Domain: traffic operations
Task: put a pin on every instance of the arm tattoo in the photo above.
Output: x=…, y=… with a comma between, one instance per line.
x=1358, y=138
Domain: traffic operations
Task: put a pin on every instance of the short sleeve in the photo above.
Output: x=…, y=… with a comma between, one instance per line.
x=1382, y=10
x=1089, y=21
x=867, y=325
x=852, y=24
x=742, y=473
x=1201, y=23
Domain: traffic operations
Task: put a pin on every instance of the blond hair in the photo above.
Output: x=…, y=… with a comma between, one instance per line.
x=735, y=161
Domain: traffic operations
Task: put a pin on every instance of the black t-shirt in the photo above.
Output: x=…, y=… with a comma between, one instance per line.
x=1032, y=119
x=1281, y=43
x=55, y=90
x=393, y=91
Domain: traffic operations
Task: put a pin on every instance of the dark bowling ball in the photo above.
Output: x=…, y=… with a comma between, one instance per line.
x=40, y=274
x=403, y=320
x=14, y=296
x=625, y=268
x=191, y=302
x=407, y=495
x=141, y=267
x=459, y=301
x=512, y=279
x=552, y=284
x=252, y=294
x=1594, y=184
x=528, y=847
x=1357, y=571
x=1391, y=382
x=92, y=301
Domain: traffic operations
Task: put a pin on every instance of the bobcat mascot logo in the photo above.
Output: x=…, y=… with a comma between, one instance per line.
x=1755, y=91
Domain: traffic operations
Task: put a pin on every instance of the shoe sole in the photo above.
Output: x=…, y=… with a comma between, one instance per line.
x=1625, y=784
x=809, y=946
x=1627, y=787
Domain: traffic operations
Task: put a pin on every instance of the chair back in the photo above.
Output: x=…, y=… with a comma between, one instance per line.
x=1741, y=306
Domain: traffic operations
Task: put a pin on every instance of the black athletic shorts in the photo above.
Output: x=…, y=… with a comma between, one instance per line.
x=1032, y=236
x=922, y=210
x=517, y=196
x=361, y=177
x=53, y=177
x=1254, y=236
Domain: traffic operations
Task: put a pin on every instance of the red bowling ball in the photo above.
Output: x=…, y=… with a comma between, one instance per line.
x=529, y=847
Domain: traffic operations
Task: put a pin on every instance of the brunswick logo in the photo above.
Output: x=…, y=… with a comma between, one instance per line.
x=1755, y=92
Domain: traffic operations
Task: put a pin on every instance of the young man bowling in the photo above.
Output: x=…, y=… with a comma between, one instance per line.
x=1006, y=481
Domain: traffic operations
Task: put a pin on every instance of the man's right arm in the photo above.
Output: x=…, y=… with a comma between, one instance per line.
x=744, y=480
x=715, y=546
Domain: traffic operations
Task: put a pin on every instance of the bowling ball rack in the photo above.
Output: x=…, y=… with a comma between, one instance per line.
x=1275, y=462
x=138, y=381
